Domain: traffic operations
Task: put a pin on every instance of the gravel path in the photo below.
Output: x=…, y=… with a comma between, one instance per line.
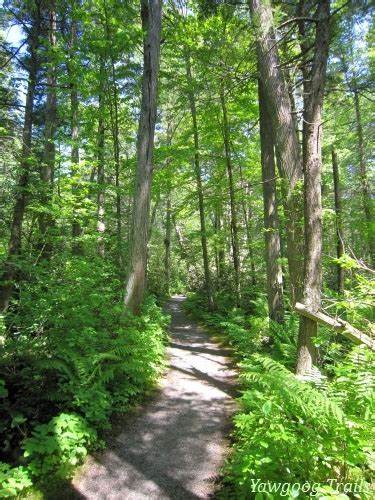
x=175, y=447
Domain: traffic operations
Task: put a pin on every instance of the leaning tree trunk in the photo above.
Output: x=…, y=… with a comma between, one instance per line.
x=271, y=219
x=136, y=280
x=198, y=176
x=314, y=89
x=48, y=167
x=14, y=246
x=338, y=212
x=233, y=208
x=285, y=137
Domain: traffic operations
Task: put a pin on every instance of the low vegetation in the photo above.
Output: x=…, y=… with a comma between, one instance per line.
x=68, y=366
x=215, y=147
x=317, y=431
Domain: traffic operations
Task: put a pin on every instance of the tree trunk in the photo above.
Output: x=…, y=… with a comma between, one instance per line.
x=113, y=108
x=247, y=214
x=198, y=176
x=233, y=208
x=286, y=141
x=365, y=186
x=14, y=246
x=219, y=250
x=48, y=166
x=116, y=146
x=74, y=134
x=153, y=216
x=101, y=168
x=271, y=219
x=136, y=280
x=285, y=138
x=167, y=242
x=314, y=89
x=338, y=211
x=339, y=325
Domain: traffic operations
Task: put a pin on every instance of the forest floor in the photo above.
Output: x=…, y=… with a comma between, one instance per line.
x=175, y=447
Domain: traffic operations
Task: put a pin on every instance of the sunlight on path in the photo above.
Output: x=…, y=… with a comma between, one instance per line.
x=173, y=450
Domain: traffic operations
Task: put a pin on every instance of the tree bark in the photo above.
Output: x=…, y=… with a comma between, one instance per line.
x=113, y=108
x=14, y=245
x=198, y=176
x=285, y=138
x=219, y=250
x=101, y=168
x=233, y=208
x=365, y=186
x=271, y=218
x=339, y=325
x=48, y=166
x=247, y=214
x=338, y=222
x=167, y=243
x=74, y=134
x=136, y=280
x=286, y=142
x=312, y=162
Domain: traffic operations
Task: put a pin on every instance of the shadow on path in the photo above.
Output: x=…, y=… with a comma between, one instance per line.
x=175, y=448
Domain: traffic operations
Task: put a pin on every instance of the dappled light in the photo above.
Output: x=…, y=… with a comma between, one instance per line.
x=176, y=447
x=187, y=249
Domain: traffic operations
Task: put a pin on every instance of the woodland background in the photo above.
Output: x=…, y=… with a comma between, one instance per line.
x=257, y=201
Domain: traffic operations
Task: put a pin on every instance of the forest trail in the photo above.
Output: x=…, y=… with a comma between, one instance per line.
x=175, y=448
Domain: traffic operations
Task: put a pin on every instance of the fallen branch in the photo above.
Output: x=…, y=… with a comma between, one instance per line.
x=339, y=325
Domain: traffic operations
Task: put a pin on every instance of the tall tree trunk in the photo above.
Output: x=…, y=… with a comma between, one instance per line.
x=365, y=186
x=101, y=168
x=14, y=246
x=167, y=243
x=247, y=214
x=74, y=133
x=314, y=89
x=219, y=250
x=181, y=243
x=233, y=208
x=49, y=153
x=285, y=138
x=338, y=211
x=113, y=108
x=271, y=219
x=136, y=280
x=116, y=147
x=153, y=216
x=198, y=176
x=286, y=141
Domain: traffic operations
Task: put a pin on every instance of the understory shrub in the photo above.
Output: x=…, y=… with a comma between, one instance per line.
x=71, y=357
x=316, y=433
x=290, y=431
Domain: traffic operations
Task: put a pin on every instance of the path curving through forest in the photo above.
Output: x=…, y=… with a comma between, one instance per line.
x=174, y=449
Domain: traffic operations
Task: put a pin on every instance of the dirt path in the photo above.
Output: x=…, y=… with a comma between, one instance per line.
x=174, y=449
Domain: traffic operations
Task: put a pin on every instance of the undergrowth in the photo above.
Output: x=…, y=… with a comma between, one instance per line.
x=70, y=359
x=296, y=438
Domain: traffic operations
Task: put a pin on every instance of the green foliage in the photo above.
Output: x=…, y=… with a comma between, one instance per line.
x=71, y=358
x=13, y=480
x=56, y=447
x=290, y=430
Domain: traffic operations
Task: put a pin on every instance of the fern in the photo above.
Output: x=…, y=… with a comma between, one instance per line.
x=273, y=377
